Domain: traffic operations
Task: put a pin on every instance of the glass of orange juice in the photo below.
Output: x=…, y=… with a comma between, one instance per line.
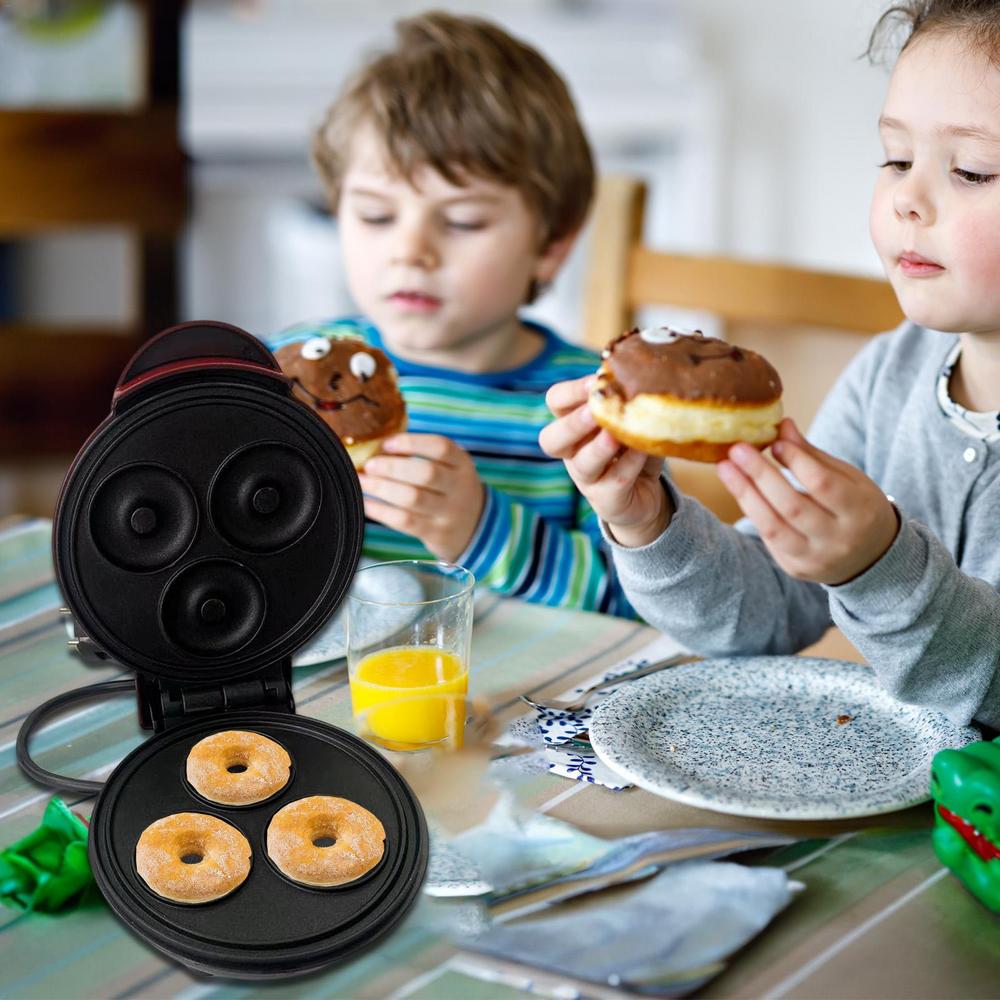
x=409, y=635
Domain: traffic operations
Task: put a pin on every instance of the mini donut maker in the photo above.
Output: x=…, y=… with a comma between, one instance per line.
x=205, y=530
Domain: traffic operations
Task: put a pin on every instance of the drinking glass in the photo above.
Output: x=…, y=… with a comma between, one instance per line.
x=409, y=635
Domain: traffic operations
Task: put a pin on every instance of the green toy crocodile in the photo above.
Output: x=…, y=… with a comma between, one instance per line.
x=966, y=788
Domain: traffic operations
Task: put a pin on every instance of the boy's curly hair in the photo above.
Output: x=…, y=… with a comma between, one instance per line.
x=462, y=96
x=977, y=20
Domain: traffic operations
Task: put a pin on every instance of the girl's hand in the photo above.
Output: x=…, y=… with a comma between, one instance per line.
x=621, y=484
x=427, y=486
x=840, y=527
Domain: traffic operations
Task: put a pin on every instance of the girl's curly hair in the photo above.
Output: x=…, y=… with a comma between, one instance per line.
x=977, y=20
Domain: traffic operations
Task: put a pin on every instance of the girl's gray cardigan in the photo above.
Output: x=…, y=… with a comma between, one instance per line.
x=927, y=615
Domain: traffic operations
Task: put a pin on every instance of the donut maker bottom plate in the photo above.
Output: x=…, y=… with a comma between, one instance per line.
x=269, y=926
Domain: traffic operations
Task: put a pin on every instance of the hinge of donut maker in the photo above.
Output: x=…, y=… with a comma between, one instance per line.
x=165, y=703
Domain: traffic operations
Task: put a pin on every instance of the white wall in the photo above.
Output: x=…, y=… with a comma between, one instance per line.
x=785, y=101
x=256, y=86
x=800, y=139
x=778, y=165
x=791, y=109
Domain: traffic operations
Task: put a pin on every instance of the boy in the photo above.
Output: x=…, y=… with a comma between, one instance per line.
x=460, y=177
x=893, y=535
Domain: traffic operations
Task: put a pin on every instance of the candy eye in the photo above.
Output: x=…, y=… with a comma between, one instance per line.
x=362, y=366
x=315, y=348
x=659, y=335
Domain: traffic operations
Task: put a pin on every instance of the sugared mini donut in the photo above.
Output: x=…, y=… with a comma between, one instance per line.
x=351, y=385
x=192, y=858
x=669, y=393
x=323, y=840
x=237, y=768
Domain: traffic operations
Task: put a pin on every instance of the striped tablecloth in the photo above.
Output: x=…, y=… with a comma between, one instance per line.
x=879, y=917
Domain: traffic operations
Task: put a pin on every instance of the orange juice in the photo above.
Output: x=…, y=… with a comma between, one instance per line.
x=411, y=695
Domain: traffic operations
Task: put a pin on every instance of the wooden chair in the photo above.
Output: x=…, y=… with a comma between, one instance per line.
x=807, y=323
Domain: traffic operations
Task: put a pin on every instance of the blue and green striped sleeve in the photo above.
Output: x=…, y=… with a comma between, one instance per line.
x=517, y=552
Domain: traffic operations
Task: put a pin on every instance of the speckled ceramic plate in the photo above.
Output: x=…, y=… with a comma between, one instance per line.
x=782, y=737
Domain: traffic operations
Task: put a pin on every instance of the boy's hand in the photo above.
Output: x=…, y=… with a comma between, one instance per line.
x=426, y=486
x=621, y=484
x=842, y=525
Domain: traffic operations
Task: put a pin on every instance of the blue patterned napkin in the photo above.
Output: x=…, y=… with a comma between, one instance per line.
x=585, y=765
x=554, y=731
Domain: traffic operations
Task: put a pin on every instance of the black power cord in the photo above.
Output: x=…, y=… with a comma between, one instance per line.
x=59, y=781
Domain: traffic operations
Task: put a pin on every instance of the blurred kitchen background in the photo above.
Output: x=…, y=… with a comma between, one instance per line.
x=153, y=166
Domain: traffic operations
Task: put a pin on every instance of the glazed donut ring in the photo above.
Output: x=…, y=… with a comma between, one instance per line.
x=262, y=767
x=358, y=840
x=223, y=851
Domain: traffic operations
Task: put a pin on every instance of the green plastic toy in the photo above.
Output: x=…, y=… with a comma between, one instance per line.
x=48, y=870
x=966, y=788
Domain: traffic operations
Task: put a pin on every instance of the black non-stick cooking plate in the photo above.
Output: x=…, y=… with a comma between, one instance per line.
x=269, y=926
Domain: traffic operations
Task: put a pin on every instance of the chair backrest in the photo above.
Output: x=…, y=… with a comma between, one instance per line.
x=807, y=323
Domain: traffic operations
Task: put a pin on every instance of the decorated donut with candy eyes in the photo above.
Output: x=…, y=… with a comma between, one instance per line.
x=352, y=386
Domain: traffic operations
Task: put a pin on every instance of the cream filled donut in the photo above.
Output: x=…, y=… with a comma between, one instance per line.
x=192, y=857
x=237, y=767
x=687, y=395
x=323, y=840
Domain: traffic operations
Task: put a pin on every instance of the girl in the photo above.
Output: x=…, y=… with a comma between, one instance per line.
x=892, y=535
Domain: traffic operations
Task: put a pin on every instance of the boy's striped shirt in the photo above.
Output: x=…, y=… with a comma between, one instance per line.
x=537, y=538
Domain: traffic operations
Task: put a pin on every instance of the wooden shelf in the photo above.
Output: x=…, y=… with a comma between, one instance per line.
x=61, y=169
x=74, y=168
x=56, y=385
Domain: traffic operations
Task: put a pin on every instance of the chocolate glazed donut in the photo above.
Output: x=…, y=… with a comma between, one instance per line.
x=351, y=385
x=686, y=395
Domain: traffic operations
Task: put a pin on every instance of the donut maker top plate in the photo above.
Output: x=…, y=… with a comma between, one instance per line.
x=207, y=528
